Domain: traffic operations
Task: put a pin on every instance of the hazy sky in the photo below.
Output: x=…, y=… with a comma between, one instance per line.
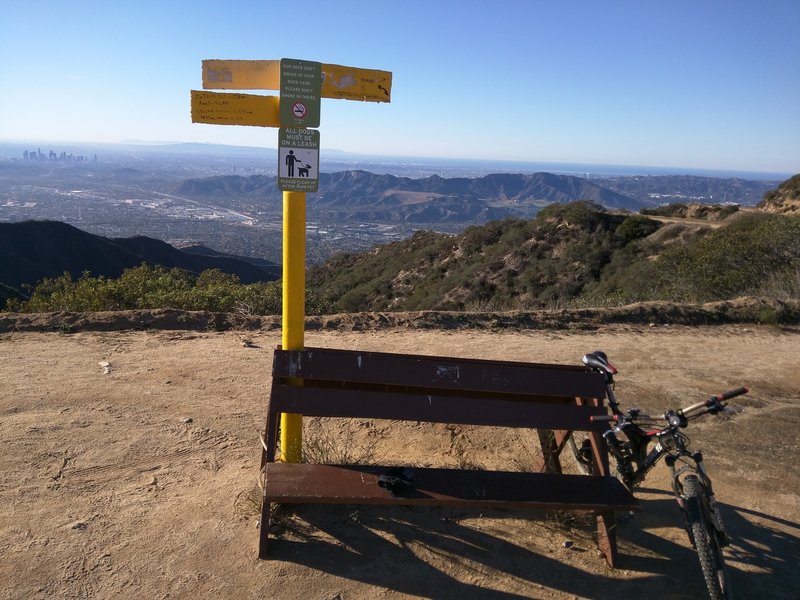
x=687, y=83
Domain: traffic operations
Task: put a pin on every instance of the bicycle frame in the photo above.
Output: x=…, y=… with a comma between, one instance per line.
x=670, y=442
x=637, y=459
x=691, y=486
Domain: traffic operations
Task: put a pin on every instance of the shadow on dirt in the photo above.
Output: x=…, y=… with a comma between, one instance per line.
x=761, y=559
x=384, y=546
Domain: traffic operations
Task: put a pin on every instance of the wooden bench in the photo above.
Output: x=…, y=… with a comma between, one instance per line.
x=553, y=399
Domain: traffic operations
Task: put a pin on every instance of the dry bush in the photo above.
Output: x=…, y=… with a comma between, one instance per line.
x=336, y=441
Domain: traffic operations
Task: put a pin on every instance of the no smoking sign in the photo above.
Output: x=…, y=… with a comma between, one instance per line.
x=299, y=110
x=301, y=85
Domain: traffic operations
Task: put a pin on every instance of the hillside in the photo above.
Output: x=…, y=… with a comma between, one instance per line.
x=33, y=250
x=575, y=254
x=570, y=255
x=785, y=199
x=505, y=264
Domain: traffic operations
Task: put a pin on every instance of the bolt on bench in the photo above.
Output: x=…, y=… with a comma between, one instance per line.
x=554, y=399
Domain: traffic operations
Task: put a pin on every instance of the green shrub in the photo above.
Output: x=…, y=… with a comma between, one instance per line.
x=735, y=260
x=635, y=228
x=148, y=287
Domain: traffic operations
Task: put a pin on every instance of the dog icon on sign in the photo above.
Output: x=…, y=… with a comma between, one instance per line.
x=303, y=171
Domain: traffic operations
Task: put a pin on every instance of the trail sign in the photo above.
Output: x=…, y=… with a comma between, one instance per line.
x=338, y=81
x=298, y=159
x=235, y=109
x=349, y=83
x=301, y=83
x=241, y=74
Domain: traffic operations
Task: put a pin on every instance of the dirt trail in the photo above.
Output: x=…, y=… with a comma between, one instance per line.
x=141, y=482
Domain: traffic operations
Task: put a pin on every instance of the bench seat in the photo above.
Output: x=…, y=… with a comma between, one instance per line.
x=460, y=488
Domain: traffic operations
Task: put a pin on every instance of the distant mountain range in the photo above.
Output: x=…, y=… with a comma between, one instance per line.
x=364, y=196
x=33, y=250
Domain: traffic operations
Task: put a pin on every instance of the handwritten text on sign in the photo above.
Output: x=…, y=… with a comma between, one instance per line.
x=235, y=109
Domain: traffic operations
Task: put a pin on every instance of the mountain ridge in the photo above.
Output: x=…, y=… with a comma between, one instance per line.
x=370, y=196
x=33, y=250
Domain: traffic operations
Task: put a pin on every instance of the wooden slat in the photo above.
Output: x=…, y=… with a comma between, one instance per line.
x=439, y=372
x=336, y=484
x=329, y=402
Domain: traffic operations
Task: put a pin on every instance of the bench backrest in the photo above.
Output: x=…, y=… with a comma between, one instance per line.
x=352, y=383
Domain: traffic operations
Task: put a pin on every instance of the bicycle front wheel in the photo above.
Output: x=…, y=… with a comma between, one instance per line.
x=706, y=542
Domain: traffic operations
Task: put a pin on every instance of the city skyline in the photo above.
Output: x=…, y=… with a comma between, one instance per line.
x=709, y=86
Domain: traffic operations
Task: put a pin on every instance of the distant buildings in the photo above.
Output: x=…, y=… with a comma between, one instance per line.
x=38, y=155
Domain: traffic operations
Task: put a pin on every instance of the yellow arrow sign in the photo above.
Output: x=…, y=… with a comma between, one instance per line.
x=235, y=109
x=349, y=83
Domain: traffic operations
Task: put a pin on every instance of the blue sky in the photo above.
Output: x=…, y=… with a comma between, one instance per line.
x=712, y=84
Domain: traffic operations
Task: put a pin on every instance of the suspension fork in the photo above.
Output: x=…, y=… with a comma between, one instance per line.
x=698, y=469
x=713, y=509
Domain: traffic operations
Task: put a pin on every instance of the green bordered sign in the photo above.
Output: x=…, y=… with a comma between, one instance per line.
x=301, y=88
x=298, y=159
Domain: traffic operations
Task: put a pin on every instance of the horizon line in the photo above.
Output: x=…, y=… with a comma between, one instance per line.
x=575, y=167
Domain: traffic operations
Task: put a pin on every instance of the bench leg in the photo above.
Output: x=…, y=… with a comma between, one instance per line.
x=607, y=537
x=263, y=532
x=547, y=441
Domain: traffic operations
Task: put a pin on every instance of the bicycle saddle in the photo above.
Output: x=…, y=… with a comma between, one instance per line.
x=599, y=361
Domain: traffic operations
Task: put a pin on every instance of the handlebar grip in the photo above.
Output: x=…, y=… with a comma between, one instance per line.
x=732, y=393
x=603, y=418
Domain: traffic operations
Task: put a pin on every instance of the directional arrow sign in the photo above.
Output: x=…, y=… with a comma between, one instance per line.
x=348, y=83
x=235, y=109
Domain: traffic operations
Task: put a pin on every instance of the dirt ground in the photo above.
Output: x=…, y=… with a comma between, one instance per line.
x=139, y=479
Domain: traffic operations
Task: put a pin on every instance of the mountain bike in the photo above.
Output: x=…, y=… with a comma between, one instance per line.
x=629, y=439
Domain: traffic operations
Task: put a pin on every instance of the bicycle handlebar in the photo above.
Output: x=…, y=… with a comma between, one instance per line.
x=712, y=404
x=713, y=401
x=603, y=418
x=733, y=393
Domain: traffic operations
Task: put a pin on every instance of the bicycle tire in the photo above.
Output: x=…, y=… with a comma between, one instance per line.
x=704, y=537
x=581, y=456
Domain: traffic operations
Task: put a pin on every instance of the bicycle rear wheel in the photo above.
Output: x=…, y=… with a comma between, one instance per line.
x=581, y=452
x=705, y=539
x=580, y=449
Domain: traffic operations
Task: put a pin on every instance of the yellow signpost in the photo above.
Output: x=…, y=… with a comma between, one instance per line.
x=300, y=93
x=349, y=83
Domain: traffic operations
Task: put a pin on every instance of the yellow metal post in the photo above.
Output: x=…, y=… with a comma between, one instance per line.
x=294, y=300
x=301, y=86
